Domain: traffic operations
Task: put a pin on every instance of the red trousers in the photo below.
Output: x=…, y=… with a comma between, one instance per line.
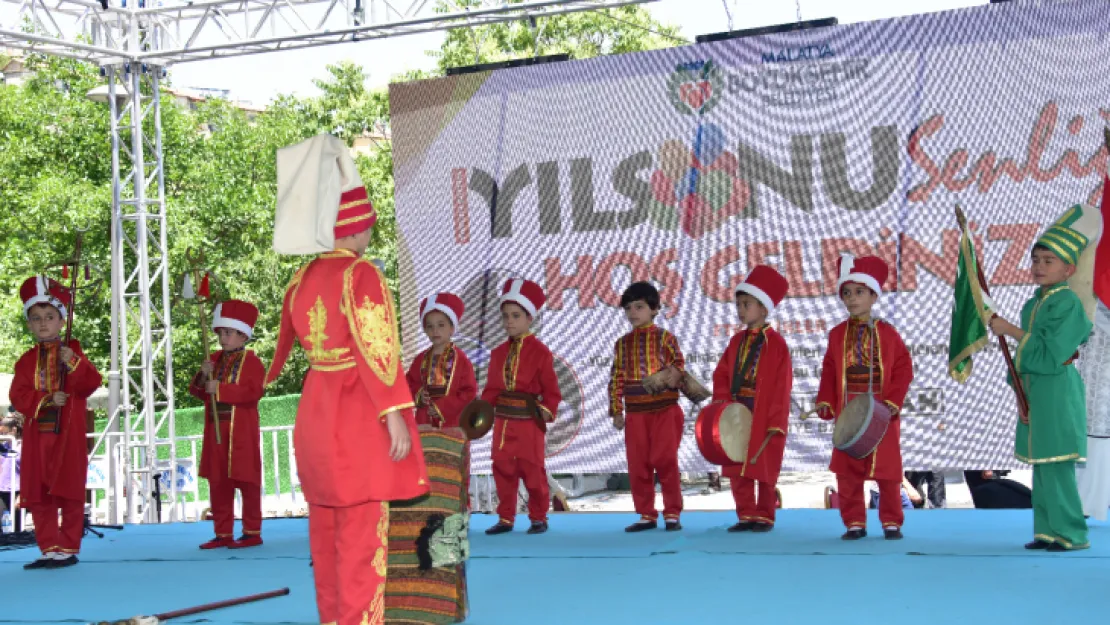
x=507, y=473
x=349, y=559
x=747, y=508
x=222, y=492
x=651, y=442
x=51, y=536
x=853, y=510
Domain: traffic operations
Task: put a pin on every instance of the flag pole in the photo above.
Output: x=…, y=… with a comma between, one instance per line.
x=1019, y=390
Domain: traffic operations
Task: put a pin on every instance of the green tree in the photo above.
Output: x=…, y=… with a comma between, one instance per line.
x=220, y=170
x=582, y=35
x=220, y=174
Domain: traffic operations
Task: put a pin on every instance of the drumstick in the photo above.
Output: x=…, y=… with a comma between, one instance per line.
x=761, y=448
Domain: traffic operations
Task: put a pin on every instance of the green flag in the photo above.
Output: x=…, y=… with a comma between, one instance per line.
x=971, y=314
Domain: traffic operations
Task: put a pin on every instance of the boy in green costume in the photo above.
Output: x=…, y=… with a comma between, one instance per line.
x=1054, y=323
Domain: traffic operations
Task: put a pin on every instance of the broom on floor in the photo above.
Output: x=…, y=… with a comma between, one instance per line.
x=165, y=616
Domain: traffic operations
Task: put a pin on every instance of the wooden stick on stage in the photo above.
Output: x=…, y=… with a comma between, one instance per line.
x=165, y=616
x=1019, y=390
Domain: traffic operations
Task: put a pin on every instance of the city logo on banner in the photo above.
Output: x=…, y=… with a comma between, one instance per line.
x=695, y=88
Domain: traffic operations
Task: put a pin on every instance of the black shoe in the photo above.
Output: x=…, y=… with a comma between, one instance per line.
x=762, y=528
x=673, y=526
x=892, y=534
x=538, y=527
x=62, y=563
x=855, y=533
x=500, y=528
x=642, y=525
x=1038, y=544
x=1056, y=548
x=41, y=563
x=742, y=526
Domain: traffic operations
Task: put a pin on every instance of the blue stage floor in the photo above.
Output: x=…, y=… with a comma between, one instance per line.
x=955, y=566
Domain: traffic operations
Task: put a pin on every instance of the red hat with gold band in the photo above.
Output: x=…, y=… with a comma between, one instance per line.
x=356, y=213
x=320, y=197
x=43, y=290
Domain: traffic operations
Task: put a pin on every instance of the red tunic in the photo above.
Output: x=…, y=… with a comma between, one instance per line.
x=763, y=385
x=449, y=385
x=340, y=309
x=846, y=359
x=642, y=352
x=36, y=380
x=523, y=365
x=241, y=377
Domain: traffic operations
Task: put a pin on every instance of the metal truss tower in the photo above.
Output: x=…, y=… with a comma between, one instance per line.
x=133, y=41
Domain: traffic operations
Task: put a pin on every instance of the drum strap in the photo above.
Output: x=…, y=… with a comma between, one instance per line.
x=751, y=360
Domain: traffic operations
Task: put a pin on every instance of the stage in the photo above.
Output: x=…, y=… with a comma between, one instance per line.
x=962, y=566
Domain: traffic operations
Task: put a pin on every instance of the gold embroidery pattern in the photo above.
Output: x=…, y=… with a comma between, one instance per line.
x=376, y=615
x=372, y=325
x=380, y=562
x=317, y=323
x=383, y=523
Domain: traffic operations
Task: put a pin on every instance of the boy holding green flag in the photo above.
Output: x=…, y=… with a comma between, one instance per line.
x=1054, y=323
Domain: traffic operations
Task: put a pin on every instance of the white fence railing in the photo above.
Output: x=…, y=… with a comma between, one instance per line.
x=281, y=493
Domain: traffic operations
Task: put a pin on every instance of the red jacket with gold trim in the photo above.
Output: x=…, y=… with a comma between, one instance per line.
x=850, y=349
x=448, y=383
x=764, y=382
x=241, y=376
x=340, y=309
x=521, y=365
x=37, y=378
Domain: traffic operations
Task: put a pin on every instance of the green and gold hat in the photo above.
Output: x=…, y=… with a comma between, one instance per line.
x=1074, y=238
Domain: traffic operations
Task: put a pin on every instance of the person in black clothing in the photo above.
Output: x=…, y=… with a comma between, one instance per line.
x=990, y=490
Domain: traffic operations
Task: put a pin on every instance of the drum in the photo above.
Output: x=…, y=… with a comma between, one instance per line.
x=662, y=380
x=672, y=378
x=694, y=390
x=861, y=425
x=723, y=431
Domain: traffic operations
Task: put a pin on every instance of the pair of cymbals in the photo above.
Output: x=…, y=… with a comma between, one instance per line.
x=477, y=418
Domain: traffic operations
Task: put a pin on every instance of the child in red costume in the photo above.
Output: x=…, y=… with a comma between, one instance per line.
x=355, y=438
x=441, y=378
x=234, y=376
x=55, y=456
x=521, y=374
x=653, y=426
x=862, y=348
x=756, y=372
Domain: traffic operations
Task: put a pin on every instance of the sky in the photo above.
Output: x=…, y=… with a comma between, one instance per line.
x=260, y=78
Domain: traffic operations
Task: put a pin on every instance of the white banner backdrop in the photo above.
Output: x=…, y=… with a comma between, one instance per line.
x=688, y=166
